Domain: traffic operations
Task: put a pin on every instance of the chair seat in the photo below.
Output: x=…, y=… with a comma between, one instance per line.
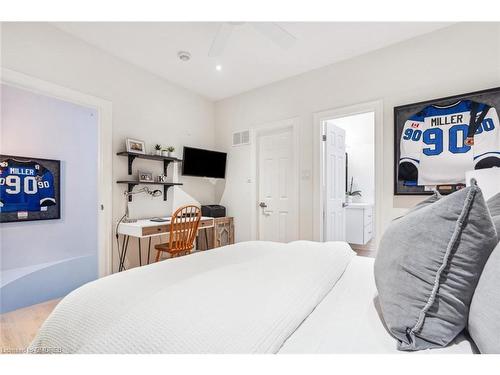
x=166, y=247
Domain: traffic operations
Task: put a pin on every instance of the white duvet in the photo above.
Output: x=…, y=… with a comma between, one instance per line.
x=244, y=298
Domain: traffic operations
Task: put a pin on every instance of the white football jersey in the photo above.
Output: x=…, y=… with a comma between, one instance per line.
x=433, y=149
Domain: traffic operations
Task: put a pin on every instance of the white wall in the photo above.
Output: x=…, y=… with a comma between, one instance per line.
x=430, y=66
x=360, y=148
x=145, y=106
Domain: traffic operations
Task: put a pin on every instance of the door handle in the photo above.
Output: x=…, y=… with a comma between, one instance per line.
x=263, y=205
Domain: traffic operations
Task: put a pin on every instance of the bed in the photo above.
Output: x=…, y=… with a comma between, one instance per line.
x=251, y=297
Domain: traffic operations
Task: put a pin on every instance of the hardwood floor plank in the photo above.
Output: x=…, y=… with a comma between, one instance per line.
x=19, y=327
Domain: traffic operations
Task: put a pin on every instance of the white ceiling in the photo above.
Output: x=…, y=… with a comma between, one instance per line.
x=250, y=59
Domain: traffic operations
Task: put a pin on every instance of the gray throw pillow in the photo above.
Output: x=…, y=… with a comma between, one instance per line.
x=494, y=206
x=428, y=265
x=484, y=316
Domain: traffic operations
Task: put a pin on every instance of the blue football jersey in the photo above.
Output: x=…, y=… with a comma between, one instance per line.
x=25, y=186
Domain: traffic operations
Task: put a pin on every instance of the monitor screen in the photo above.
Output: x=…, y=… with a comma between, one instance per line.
x=203, y=163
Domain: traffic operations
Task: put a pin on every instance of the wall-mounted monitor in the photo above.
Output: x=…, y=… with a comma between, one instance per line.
x=203, y=163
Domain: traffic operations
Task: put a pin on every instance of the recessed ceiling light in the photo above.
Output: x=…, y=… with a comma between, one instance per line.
x=218, y=67
x=184, y=55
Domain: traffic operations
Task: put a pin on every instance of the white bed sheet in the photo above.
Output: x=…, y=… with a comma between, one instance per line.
x=348, y=320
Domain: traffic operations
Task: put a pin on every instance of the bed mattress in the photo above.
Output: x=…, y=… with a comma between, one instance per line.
x=348, y=320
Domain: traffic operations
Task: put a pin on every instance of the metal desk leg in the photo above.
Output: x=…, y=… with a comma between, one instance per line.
x=120, y=252
x=140, y=253
x=123, y=253
x=149, y=248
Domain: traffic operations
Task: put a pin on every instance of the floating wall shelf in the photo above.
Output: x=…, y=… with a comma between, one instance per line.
x=131, y=156
x=132, y=183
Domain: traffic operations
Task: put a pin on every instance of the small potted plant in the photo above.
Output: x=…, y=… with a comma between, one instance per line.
x=352, y=193
x=170, y=150
x=158, y=149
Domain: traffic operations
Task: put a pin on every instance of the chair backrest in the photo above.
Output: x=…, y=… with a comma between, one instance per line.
x=184, y=227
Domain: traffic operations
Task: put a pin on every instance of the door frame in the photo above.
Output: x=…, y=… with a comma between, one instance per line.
x=318, y=191
x=255, y=133
x=104, y=165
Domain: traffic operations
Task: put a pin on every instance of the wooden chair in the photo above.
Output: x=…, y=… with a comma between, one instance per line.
x=183, y=230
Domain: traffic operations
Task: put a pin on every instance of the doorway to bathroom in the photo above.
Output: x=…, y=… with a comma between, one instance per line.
x=348, y=164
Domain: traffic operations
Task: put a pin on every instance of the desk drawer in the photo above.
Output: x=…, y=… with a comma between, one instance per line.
x=206, y=223
x=148, y=231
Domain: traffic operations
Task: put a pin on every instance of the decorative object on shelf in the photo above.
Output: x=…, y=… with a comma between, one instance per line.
x=29, y=189
x=158, y=149
x=161, y=178
x=132, y=183
x=127, y=194
x=145, y=176
x=437, y=141
x=167, y=152
x=135, y=146
x=352, y=193
x=170, y=151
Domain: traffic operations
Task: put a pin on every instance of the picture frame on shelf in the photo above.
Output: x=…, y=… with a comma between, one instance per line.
x=145, y=176
x=136, y=146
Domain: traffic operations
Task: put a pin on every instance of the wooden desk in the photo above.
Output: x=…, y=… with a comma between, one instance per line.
x=148, y=229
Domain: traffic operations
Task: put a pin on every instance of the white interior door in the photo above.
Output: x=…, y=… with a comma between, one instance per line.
x=277, y=187
x=334, y=183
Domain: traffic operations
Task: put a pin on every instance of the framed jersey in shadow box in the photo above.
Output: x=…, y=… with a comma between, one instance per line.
x=438, y=140
x=29, y=189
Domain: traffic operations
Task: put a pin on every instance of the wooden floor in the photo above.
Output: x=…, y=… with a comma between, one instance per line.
x=18, y=328
x=368, y=250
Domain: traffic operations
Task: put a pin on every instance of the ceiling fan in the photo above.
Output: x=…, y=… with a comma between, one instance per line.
x=271, y=30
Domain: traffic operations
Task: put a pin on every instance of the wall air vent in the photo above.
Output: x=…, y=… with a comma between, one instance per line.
x=241, y=138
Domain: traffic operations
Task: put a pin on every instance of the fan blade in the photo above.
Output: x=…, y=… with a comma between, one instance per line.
x=276, y=33
x=220, y=40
